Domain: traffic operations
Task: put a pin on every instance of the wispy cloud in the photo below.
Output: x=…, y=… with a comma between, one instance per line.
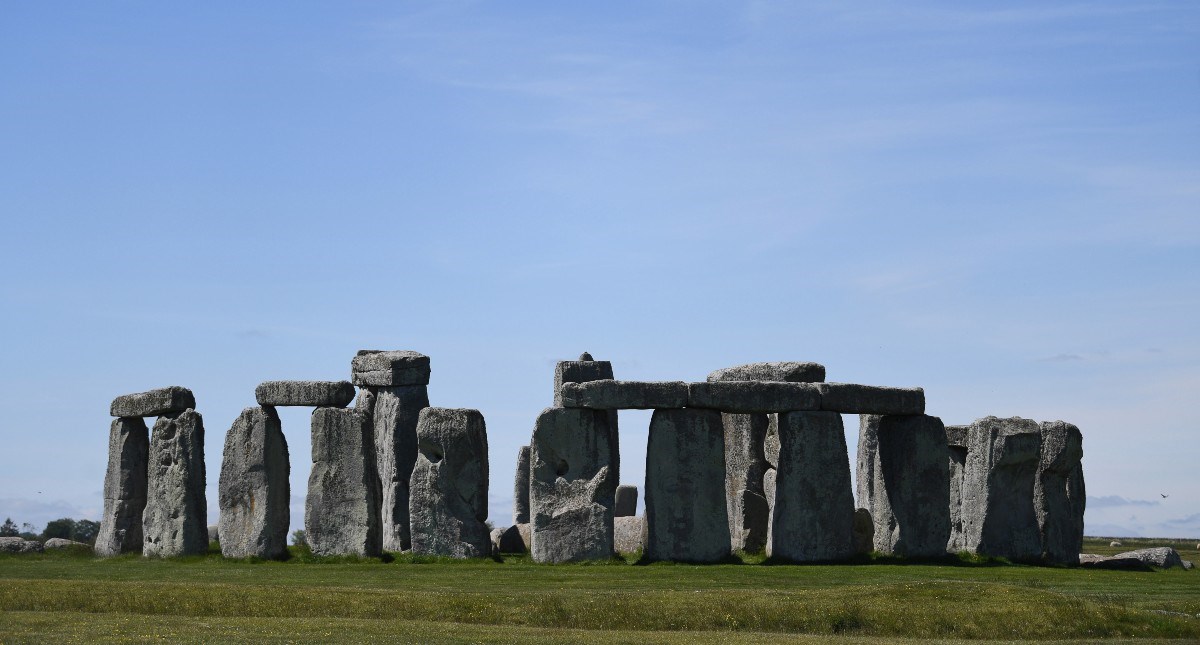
x=1113, y=501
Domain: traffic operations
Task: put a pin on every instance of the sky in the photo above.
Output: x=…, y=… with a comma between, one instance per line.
x=997, y=202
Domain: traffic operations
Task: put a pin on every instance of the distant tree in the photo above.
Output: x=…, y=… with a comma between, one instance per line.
x=60, y=528
x=85, y=531
x=9, y=528
x=299, y=538
x=27, y=531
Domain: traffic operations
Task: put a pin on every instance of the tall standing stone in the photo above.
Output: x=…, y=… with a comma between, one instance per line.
x=521, y=487
x=1059, y=496
x=582, y=371
x=571, y=485
x=175, y=521
x=812, y=518
x=449, y=485
x=341, y=511
x=903, y=481
x=254, y=492
x=956, y=443
x=124, y=488
x=998, y=513
x=686, y=519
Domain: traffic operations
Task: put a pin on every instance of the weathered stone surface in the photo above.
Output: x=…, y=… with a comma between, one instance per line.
x=63, y=543
x=494, y=538
x=571, y=486
x=958, y=436
x=625, y=395
x=254, y=493
x=582, y=371
x=629, y=533
x=812, y=518
x=515, y=539
x=1115, y=543
x=956, y=440
x=341, y=511
x=124, y=488
x=686, y=517
x=332, y=394
x=1059, y=497
x=745, y=465
x=790, y=371
x=998, y=514
x=1115, y=563
x=449, y=485
x=378, y=368
x=626, y=501
x=748, y=397
x=155, y=403
x=1163, y=557
x=214, y=532
x=771, y=444
x=769, y=493
x=19, y=545
x=521, y=487
x=849, y=398
x=394, y=415
x=903, y=474
x=864, y=531
x=175, y=521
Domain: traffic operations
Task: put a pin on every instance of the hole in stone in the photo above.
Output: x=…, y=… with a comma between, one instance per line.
x=432, y=452
x=561, y=468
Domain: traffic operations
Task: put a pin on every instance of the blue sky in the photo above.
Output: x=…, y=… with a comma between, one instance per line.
x=996, y=202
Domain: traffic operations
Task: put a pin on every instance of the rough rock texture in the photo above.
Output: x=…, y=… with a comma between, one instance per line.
x=745, y=465
x=813, y=514
x=124, y=488
x=771, y=444
x=515, y=539
x=254, y=493
x=625, y=395
x=748, y=397
x=63, y=543
x=341, y=512
x=1091, y=561
x=449, y=485
x=864, y=532
x=790, y=371
x=1163, y=557
x=20, y=545
x=849, y=398
x=175, y=521
x=1115, y=543
x=494, y=538
x=572, y=487
x=582, y=371
x=998, y=514
x=394, y=415
x=378, y=368
x=626, y=501
x=902, y=477
x=958, y=436
x=521, y=487
x=629, y=532
x=155, y=403
x=686, y=516
x=769, y=493
x=1058, y=494
x=332, y=394
x=956, y=440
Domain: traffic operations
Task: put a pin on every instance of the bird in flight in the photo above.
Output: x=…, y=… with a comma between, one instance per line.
x=1164, y=495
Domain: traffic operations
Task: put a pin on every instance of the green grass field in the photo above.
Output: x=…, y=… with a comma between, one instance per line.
x=75, y=597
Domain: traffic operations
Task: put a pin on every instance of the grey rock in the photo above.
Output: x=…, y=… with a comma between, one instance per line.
x=771, y=444
x=20, y=545
x=175, y=521
x=1059, y=497
x=571, y=486
x=394, y=415
x=903, y=475
x=62, y=543
x=124, y=488
x=214, y=532
x=449, y=485
x=625, y=395
x=812, y=518
x=1188, y=565
x=583, y=371
x=790, y=371
x=333, y=394
x=626, y=501
x=749, y=397
x=585, y=357
x=253, y=490
x=377, y=368
x=864, y=532
x=629, y=533
x=957, y=472
x=958, y=436
x=745, y=465
x=769, y=492
x=998, y=515
x=521, y=487
x=686, y=518
x=1115, y=543
x=1115, y=563
x=515, y=539
x=341, y=511
x=1163, y=557
x=849, y=398
x=494, y=537
x=155, y=403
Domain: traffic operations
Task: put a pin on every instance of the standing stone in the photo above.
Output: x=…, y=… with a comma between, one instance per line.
x=449, y=485
x=521, y=487
x=175, y=521
x=771, y=444
x=341, y=512
x=745, y=465
x=812, y=519
x=1058, y=494
x=571, y=486
x=998, y=513
x=254, y=490
x=686, y=518
x=903, y=480
x=956, y=440
x=626, y=501
x=769, y=493
x=394, y=415
x=124, y=488
x=629, y=533
x=582, y=371
x=864, y=532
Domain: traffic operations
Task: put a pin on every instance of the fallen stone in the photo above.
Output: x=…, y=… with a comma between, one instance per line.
x=625, y=395
x=848, y=398
x=956, y=439
x=377, y=368
x=903, y=470
x=572, y=488
x=583, y=371
x=1115, y=543
x=449, y=485
x=394, y=415
x=626, y=501
x=63, y=543
x=790, y=371
x=521, y=487
x=686, y=517
x=319, y=394
x=629, y=533
x=20, y=545
x=254, y=492
x=1163, y=557
x=864, y=532
x=155, y=403
x=745, y=465
x=749, y=397
x=812, y=518
x=1115, y=563
x=341, y=511
x=515, y=539
x=1058, y=495
x=1188, y=565
x=175, y=521
x=124, y=488
x=998, y=514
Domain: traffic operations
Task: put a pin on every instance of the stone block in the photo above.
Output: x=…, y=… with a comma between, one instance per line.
x=515, y=539
x=20, y=545
x=625, y=395
x=449, y=487
x=175, y=521
x=521, y=487
x=790, y=371
x=864, y=532
x=957, y=472
x=317, y=394
x=749, y=397
x=998, y=514
x=394, y=415
x=958, y=436
x=254, y=492
x=626, y=501
x=629, y=533
x=378, y=368
x=586, y=370
x=849, y=398
x=745, y=465
x=124, y=488
x=341, y=511
x=1059, y=497
x=155, y=403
